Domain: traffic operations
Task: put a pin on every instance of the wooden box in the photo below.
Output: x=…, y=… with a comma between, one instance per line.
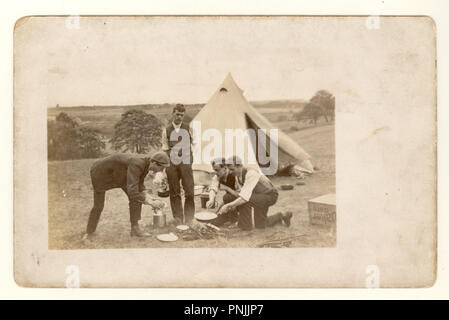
x=323, y=210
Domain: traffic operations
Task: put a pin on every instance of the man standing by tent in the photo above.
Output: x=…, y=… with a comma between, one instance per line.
x=127, y=172
x=256, y=192
x=177, y=140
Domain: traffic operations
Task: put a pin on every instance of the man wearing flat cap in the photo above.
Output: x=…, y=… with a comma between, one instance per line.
x=127, y=172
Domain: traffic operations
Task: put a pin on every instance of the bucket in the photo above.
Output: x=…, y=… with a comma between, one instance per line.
x=204, y=198
x=159, y=220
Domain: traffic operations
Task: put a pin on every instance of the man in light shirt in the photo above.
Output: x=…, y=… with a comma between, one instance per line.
x=177, y=141
x=256, y=192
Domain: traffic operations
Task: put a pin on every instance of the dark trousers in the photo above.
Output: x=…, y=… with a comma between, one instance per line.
x=260, y=202
x=135, y=210
x=231, y=216
x=176, y=174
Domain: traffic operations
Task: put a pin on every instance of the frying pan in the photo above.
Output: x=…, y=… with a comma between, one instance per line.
x=205, y=216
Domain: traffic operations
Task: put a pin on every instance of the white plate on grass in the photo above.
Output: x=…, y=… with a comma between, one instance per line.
x=182, y=227
x=167, y=237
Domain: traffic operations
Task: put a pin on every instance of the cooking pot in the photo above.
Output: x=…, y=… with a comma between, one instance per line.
x=159, y=220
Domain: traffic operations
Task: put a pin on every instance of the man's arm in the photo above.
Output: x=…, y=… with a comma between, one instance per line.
x=231, y=205
x=237, y=202
x=251, y=179
x=194, y=138
x=133, y=181
x=213, y=188
x=229, y=190
x=164, y=140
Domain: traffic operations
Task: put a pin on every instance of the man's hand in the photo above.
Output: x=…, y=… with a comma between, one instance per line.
x=210, y=204
x=225, y=188
x=157, y=204
x=225, y=208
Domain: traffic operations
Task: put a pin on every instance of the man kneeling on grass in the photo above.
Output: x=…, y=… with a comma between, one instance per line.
x=127, y=172
x=256, y=192
x=223, y=180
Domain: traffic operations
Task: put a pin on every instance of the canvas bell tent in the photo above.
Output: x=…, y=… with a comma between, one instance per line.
x=227, y=113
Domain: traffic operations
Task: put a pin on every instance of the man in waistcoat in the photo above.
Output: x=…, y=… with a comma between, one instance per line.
x=177, y=141
x=257, y=192
x=127, y=172
x=222, y=180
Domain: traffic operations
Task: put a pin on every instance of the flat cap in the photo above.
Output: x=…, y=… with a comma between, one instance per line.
x=234, y=160
x=161, y=158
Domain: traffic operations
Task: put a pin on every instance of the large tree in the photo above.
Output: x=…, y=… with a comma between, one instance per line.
x=326, y=100
x=137, y=131
x=311, y=111
x=322, y=104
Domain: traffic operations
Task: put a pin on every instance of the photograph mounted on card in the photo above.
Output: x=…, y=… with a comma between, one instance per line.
x=281, y=151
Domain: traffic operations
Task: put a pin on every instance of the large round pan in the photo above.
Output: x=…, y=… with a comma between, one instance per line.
x=205, y=216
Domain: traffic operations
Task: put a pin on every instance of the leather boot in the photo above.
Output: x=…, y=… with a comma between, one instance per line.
x=87, y=238
x=137, y=232
x=286, y=217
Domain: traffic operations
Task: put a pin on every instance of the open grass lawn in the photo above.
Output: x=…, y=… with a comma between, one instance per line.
x=70, y=199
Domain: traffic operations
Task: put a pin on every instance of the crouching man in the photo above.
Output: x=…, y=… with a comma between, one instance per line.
x=127, y=172
x=256, y=192
x=223, y=180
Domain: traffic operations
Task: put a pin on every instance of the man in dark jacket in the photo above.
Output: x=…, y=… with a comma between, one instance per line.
x=127, y=172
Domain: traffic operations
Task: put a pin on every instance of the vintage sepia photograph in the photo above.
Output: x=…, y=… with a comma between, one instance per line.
x=174, y=142
x=235, y=151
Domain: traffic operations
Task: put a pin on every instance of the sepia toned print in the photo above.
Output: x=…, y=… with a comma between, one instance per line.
x=193, y=184
x=187, y=136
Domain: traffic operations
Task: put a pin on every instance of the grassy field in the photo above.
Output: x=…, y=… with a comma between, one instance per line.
x=70, y=200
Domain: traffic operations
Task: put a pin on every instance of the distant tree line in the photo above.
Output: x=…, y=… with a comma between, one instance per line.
x=67, y=139
x=137, y=132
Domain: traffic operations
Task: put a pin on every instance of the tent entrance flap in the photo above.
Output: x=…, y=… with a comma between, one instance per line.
x=282, y=160
x=261, y=145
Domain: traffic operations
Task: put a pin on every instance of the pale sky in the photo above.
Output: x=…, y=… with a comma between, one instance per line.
x=119, y=61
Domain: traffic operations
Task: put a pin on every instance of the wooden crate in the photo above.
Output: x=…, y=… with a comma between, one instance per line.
x=323, y=209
